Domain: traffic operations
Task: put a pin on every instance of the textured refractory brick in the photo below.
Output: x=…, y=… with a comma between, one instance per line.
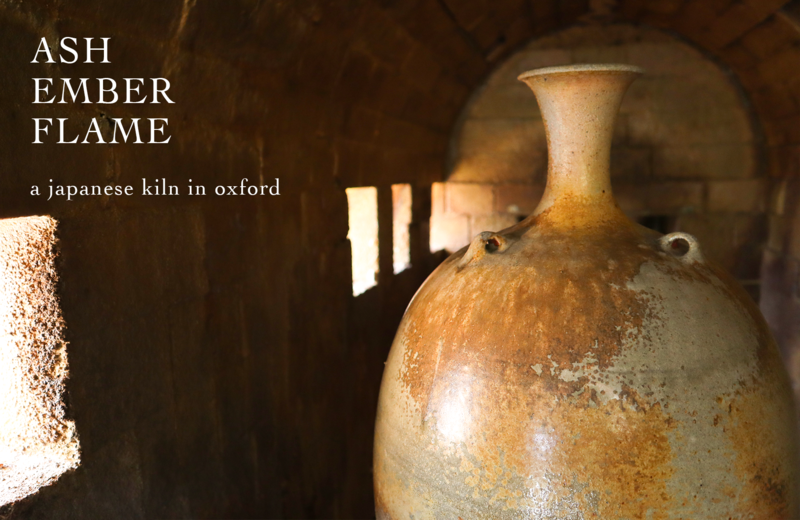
x=37, y=443
x=471, y=199
x=449, y=233
x=518, y=199
x=749, y=195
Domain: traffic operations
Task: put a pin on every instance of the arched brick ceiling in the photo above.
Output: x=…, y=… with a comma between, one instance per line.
x=759, y=40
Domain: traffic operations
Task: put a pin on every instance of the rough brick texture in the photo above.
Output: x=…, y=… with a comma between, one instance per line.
x=37, y=442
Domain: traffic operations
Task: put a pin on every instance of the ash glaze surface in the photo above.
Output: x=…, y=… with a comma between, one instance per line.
x=580, y=366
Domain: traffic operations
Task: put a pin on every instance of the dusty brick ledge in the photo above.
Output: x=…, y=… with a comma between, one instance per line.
x=37, y=443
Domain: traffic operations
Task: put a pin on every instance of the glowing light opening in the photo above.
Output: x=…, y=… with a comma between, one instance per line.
x=438, y=237
x=362, y=206
x=401, y=219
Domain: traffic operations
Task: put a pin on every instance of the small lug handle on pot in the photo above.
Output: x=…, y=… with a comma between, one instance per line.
x=683, y=246
x=483, y=243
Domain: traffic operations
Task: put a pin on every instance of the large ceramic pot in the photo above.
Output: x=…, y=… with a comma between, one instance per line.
x=578, y=365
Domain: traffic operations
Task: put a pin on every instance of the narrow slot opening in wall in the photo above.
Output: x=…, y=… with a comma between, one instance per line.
x=439, y=234
x=362, y=204
x=401, y=219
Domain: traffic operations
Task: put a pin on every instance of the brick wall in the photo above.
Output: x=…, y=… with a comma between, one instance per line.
x=781, y=273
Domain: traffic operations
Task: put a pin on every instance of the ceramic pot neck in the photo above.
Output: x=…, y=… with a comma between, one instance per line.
x=579, y=104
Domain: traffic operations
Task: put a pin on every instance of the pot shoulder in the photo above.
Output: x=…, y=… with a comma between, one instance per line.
x=589, y=368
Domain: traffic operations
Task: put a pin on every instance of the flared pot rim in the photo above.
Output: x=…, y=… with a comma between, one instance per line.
x=589, y=67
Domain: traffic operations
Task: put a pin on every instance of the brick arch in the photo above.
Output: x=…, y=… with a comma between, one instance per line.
x=758, y=40
x=685, y=153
